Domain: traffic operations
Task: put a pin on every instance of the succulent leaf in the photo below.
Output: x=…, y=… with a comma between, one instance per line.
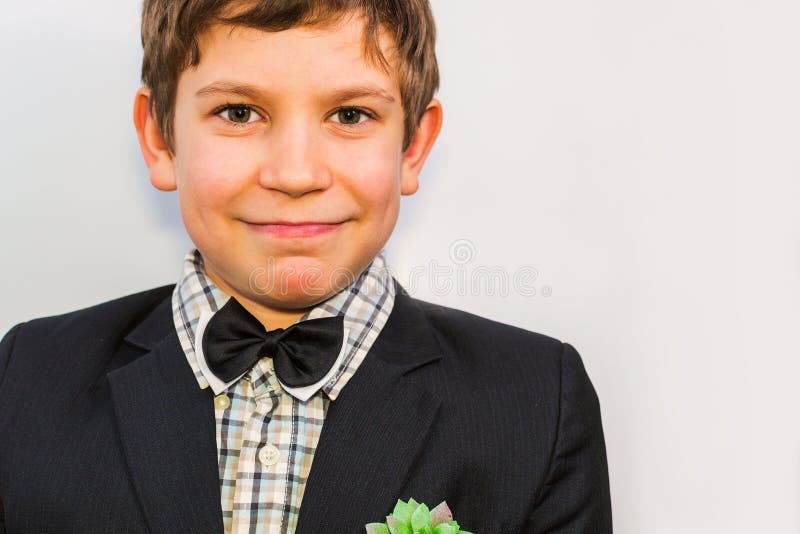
x=377, y=528
x=441, y=514
x=444, y=528
x=421, y=518
x=403, y=510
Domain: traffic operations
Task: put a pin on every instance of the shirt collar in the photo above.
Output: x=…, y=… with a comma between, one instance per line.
x=365, y=304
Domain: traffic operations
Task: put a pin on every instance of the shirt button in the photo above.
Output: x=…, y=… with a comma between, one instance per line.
x=221, y=402
x=268, y=455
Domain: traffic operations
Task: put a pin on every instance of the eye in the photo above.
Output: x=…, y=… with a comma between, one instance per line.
x=238, y=114
x=351, y=116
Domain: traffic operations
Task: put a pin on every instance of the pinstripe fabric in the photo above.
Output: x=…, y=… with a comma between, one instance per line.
x=266, y=438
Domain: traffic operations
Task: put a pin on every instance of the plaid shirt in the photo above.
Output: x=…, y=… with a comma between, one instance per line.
x=266, y=437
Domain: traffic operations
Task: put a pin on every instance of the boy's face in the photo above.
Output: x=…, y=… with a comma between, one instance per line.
x=312, y=134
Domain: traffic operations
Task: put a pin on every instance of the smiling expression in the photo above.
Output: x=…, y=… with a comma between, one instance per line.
x=289, y=161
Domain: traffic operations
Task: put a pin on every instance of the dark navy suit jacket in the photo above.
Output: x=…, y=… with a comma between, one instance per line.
x=103, y=428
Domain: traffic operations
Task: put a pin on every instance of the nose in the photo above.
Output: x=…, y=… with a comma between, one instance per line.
x=296, y=161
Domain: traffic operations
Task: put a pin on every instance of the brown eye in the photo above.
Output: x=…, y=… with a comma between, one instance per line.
x=239, y=114
x=351, y=116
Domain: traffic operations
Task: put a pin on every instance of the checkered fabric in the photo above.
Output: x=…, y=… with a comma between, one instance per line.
x=266, y=438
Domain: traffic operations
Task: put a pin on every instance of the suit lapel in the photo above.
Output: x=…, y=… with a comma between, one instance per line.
x=375, y=428
x=167, y=428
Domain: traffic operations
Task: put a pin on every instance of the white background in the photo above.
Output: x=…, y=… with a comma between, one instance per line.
x=642, y=155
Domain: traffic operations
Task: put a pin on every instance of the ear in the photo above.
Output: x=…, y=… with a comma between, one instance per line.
x=156, y=154
x=421, y=144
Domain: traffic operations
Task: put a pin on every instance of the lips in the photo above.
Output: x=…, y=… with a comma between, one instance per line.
x=294, y=229
x=301, y=223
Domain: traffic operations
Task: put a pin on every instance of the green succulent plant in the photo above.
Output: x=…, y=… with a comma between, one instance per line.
x=415, y=518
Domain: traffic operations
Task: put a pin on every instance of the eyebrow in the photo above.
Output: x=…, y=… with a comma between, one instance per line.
x=253, y=92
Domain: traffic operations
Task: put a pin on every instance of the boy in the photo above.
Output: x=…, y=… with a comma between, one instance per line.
x=287, y=382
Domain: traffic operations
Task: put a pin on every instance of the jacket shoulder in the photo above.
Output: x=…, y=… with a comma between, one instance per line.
x=454, y=325
x=113, y=316
x=492, y=349
x=42, y=346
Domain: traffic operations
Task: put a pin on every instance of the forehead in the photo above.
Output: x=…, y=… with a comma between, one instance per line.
x=297, y=59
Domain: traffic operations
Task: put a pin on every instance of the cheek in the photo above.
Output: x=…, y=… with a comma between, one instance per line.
x=211, y=172
x=371, y=172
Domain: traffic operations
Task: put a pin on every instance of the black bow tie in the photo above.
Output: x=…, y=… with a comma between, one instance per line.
x=302, y=354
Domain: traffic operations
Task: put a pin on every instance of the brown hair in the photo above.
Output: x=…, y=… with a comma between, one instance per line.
x=170, y=31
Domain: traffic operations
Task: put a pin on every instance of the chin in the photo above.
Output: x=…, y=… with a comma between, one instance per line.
x=302, y=286
x=293, y=298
